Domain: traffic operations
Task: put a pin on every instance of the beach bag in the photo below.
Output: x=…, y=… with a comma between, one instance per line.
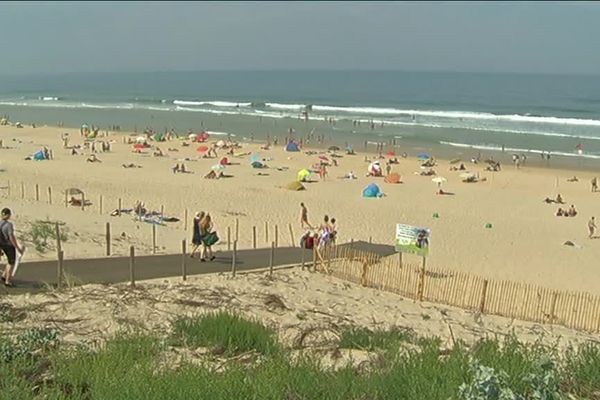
x=210, y=238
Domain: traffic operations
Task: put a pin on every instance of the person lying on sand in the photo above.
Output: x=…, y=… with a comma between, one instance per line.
x=172, y=149
x=131, y=165
x=92, y=158
x=428, y=172
x=548, y=200
x=573, y=179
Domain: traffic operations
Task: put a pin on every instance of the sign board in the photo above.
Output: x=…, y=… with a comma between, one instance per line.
x=413, y=239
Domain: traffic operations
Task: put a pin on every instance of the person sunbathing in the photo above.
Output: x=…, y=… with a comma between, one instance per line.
x=176, y=168
x=559, y=199
x=211, y=175
x=573, y=179
x=548, y=200
x=428, y=172
x=560, y=212
x=92, y=158
x=75, y=202
x=572, y=211
x=131, y=165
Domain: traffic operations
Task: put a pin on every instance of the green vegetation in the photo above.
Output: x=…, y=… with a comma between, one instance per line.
x=43, y=234
x=225, y=333
x=134, y=366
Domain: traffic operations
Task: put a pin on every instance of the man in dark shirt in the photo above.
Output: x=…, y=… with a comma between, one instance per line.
x=8, y=245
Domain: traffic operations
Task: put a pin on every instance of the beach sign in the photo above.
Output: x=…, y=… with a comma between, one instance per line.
x=413, y=239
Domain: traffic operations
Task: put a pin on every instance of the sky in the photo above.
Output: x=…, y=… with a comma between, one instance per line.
x=521, y=37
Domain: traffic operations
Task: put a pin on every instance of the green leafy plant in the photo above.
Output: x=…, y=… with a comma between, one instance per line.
x=43, y=234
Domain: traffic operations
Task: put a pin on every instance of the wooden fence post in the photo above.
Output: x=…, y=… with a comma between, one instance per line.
x=153, y=238
x=100, y=205
x=292, y=235
x=370, y=239
x=271, y=258
x=59, y=272
x=120, y=206
x=228, y=238
x=162, y=210
x=57, y=232
x=254, y=237
x=266, y=232
x=49, y=195
x=421, y=288
x=132, y=266
x=314, y=257
x=302, y=253
x=9, y=188
x=237, y=229
x=185, y=219
x=82, y=202
x=233, y=259
x=108, y=238
x=400, y=259
x=22, y=190
x=183, y=261
x=553, y=306
x=276, y=236
x=37, y=192
x=483, y=294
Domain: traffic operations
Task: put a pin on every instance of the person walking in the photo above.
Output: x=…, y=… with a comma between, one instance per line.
x=304, y=217
x=9, y=245
x=197, y=235
x=592, y=227
x=206, y=230
x=594, y=183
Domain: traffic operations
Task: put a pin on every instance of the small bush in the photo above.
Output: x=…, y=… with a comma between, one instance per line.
x=28, y=342
x=44, y=230
x=365, y=339
x=582, y=370
x=225, y=332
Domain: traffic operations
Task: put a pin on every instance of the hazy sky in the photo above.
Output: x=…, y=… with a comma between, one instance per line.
x=477, y=36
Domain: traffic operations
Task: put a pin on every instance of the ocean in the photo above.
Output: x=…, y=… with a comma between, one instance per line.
x=452, y=111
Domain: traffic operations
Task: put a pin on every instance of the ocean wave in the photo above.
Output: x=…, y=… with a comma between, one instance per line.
x=517, y=150
x=48, y=98
x=291, y=107
x=211, y=103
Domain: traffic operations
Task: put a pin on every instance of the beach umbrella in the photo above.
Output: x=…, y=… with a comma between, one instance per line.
x=390, y=154
x=334, y=148
x=303, y=174
x=423, y=156
x=439, y=180
x=202, y=149
x=218, y=167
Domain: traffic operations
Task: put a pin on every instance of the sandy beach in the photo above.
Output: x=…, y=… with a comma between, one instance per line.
x=525, y=242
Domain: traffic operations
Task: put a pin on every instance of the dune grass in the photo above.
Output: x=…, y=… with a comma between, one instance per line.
x=130, y=366
x=225, y=333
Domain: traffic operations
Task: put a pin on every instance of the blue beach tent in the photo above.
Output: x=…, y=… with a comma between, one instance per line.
x=292, y=146
x=39, y=155
x=371, y=191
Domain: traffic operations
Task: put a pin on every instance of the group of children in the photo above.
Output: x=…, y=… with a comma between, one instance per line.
x=320, y=237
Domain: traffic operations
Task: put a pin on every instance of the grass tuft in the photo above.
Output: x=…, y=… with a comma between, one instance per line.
x=225, y=333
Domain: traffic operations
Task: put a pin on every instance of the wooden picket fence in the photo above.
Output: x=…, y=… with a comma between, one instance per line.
x=517, y=300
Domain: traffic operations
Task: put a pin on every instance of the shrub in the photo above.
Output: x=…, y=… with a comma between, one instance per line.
x=44, y=230
x=225, y=332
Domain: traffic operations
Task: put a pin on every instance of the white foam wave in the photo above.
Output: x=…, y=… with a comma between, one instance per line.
x=458, y=115
x=292, y=107
x=49, y=98
x=517, y=149
x=210, y=103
